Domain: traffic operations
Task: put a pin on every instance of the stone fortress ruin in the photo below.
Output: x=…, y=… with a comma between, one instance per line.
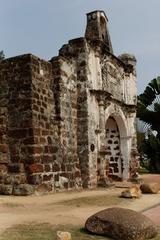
x=69, y=122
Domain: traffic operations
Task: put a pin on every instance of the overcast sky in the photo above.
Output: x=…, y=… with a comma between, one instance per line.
x=41, y=27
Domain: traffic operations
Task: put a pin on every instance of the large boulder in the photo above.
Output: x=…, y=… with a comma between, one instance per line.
x=132, y=192
x=121, y=224
x=150, y=187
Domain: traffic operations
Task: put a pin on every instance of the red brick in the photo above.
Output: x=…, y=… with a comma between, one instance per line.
x=56, y=177
x=44, y=105
x=47, y=177
x=29, y=140
x=35, y=168
x=27, y=123
x=3, y=168
x=47, y=168
x=47, y=126
x=35, y=108
x=45, y=132
x=3, y=148
x=1, y=120
x=48, y=158
x=16, y=167
x=66, y=175
x=66, y=185
x=35, y=150
x=34, y=131
x=63, y=167
x=42, y=140
x=56, y=168
x=46, y=149
x=43, y=91
x=49, y=140
x=71, y=184
x=44, y=118
x=35, y=179
x=35, y=95
x=15, y=158
x=39, y=103
x=69, y=168
x=41, y=110
x=53, y=149
x=18, y=133
x=77, y=174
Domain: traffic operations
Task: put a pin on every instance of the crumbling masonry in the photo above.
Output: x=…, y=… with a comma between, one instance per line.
x=69, y=122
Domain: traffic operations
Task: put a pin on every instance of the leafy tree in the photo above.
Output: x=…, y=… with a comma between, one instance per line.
x=2, y=56
x=149, y=112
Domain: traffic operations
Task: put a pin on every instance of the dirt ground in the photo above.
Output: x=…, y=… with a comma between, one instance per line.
x=71, y=207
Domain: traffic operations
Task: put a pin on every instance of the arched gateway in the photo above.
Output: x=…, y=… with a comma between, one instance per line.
x=114, y=156
x=118, y=143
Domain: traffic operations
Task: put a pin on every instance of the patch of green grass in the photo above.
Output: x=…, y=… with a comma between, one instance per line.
x=45, y=231
x=158, y=236
x=28, y=232
x=102, y=200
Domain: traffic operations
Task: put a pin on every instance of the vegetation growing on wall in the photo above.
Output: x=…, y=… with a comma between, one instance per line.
x=2, y=56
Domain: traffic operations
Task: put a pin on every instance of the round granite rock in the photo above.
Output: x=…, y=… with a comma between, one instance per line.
x=121, y=224
x=150, y=188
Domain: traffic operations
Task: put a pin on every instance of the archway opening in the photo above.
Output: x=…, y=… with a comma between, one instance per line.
x=113, y=155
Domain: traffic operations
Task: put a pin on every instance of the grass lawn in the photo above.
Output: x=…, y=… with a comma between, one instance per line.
x=103, y=200
x=45, y=231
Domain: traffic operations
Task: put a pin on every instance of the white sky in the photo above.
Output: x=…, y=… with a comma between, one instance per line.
x=41, y=27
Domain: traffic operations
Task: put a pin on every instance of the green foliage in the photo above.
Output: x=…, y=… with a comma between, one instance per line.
x=149, y=112
x=151, y=149
x=2, y=56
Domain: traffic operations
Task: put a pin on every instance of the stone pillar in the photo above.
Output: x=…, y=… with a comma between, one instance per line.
x=102, y=124
x=102, y=180
x=125, y=151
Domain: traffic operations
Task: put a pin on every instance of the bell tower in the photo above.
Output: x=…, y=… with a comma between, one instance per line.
x=97, y=29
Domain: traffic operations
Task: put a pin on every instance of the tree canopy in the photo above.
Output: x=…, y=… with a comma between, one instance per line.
x=149, y=112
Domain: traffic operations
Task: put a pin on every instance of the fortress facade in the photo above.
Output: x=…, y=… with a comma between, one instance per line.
x=69, y=122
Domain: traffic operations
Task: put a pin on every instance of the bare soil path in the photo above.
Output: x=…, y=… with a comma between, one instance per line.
x=153, y=212
x=71, y=207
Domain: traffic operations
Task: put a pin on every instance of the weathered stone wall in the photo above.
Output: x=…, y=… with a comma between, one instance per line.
x=77, y=51
x=112, y=93
x=42, y=150
x=16, y=83
x=4, y=94
x=65, y=92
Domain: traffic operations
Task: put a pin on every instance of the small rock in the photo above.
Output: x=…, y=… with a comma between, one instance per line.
x=63, y=235
x=133, y=192
x=23, y=190
x=150, y=188
x=6, y=189
x=44, y=188
x=121, y=224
